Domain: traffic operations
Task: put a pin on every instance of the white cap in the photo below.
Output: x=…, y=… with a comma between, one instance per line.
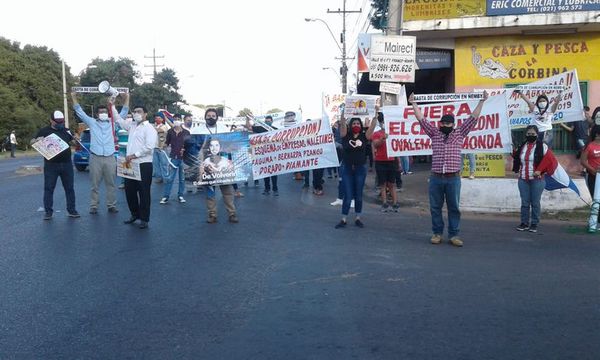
x=58, y=116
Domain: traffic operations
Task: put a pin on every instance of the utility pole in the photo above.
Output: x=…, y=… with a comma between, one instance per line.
x=154, y=57
x=344, y=68
x=396, y=17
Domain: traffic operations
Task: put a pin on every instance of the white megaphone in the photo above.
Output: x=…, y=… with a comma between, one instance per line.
x=105, y=88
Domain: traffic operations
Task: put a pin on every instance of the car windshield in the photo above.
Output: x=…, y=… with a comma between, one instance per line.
x=85, y=136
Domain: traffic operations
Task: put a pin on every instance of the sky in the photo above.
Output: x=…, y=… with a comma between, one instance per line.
x=259, y=54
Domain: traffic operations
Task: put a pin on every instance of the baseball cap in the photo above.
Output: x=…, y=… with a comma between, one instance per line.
x=57, y=116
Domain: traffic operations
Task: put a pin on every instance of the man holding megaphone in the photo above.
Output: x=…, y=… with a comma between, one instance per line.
x=102, y=148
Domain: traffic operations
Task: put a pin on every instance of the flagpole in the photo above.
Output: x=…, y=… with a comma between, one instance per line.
x=64, y=81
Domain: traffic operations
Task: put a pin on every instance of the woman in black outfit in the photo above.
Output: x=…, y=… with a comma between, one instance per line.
x=354, y=168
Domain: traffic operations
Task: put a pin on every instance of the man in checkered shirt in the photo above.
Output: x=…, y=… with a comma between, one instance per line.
x=446, y=165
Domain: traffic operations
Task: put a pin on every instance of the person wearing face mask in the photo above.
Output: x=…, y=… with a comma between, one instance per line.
x=543, y=114
x=175, y=140
x=446, y=165
x=102, y=148
x=531, y=161
x=187, y=123
x=590, y=158
x=60, y=165
x=211, y=126
x=354, y=170
x=140, y=146
x=160, y=165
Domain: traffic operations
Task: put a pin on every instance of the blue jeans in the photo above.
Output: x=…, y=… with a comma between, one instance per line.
x=405, y=163
x=354, y=182
x=52, y=171
x=471, y=158
x=160, y=165
x=531, y=194
x=171, y=178
x=447, y=188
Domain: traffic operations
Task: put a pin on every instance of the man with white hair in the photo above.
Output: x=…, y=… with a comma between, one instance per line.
x=175, y=140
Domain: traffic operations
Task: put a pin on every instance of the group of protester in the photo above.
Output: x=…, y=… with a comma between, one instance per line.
x=147, y=144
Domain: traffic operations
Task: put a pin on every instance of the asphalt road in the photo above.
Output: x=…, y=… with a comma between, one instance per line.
x=284, y=284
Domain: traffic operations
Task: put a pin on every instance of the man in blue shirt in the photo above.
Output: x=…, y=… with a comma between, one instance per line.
x=102, y=160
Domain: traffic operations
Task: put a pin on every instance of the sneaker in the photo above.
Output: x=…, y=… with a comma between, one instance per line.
x=436, y=239
x=48, y=215
x=211, y=220
x=408, y=173
x=164, y=200
x=456, y=241
x=93, y=211
x=533, y=228
x=318, y=192
x=239, y=194
x=233, y=219
x=385, y=208
x=143, y=225
x=522, y=227
x=181, y=199
x=131, y=220
x=341, y=224
x=74, y=214
x=472, y=176
x=113, y=210
x=359, y=223
x=352, y=203
x=275, y=193
x=337, y=202
x=395, y=208
x=266, y=192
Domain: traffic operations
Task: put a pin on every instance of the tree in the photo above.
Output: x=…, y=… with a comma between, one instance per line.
x=379, y=19
x=161, y=93
x=274, y=110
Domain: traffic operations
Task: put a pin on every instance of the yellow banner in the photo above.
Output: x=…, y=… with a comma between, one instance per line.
x=486, y=165
x=442, y=9
x=523, y=59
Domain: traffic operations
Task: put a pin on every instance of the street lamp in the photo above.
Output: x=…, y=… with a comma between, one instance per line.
x=344, y=68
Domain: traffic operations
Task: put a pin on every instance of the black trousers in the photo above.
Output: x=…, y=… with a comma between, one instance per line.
x=318, y=178
x=138, y=193
x=268, y=181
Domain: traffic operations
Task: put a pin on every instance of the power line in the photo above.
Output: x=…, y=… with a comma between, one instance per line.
x=154, y=65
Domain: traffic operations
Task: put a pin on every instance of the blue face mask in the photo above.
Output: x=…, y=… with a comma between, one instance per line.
x=59, y=126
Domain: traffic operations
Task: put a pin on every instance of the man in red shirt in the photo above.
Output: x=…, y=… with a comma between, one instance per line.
x=446, y=165
x=386, y=167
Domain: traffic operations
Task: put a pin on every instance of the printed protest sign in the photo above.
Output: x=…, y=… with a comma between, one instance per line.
x=490, y=134
x=218, y=159
x=306, y=146
x=50, y=146
x=570, y=107
x=94, y=89
x=486, y=165
x=448, y=97
x=128, y=170
x=361, y=106
x=393, y=58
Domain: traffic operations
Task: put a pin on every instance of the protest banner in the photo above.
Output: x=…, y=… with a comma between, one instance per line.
x=306, y=146
x=393, y=58
x=486, y=165
x=128, y=169
x=570, y=107
x=50, y=146
x=218, y=159
x=361, y=106
x=332, y=104
x=490, y=134
x=94, y=89
x=448, y=97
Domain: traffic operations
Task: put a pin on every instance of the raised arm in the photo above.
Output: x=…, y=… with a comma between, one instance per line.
x=529, y=103
x=429, y=129
x=79, y=111
x=375, y=120
x=125, y=108
x=123, y=123
x=343, y=126
x=556, y=101
x=468, y=125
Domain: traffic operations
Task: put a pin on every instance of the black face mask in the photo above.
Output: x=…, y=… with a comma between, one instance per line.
x=446, y=130
x=531, y=138
x=211, y=122
x=188, y=124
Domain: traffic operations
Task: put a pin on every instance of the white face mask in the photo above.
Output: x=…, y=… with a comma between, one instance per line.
x=103, y=116
x=137, y=117
x=542, y=104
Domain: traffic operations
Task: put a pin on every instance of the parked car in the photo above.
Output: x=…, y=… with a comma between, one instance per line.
x=81, y=157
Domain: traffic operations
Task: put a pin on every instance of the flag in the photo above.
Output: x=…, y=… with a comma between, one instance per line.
x=556, y=176
x=166, y=114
